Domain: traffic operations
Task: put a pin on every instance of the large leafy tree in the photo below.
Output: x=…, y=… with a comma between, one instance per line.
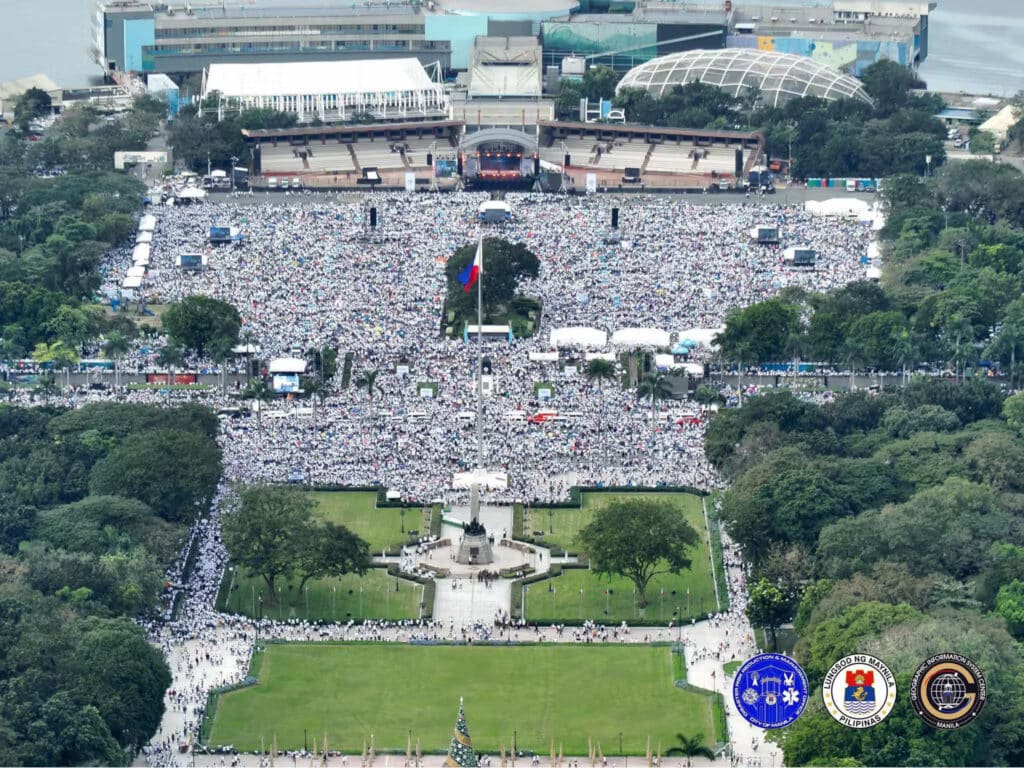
x=204, y=325
x=263, y=532
x=768, y=607
x=505, y=264
x=173, y=471
x=330, y=550
x=638, y=539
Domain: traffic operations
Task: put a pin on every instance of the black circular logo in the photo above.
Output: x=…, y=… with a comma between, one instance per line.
x=948, y=691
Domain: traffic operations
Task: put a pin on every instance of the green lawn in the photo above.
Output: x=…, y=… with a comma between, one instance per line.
x=561, y=525
x=357, y=511
x=329, y=599
x=538, y=692
x=559, y=598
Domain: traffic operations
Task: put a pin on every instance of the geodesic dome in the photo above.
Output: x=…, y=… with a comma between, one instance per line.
x=779, y=76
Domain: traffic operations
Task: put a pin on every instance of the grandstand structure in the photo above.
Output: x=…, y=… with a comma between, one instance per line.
x=350, y=155
x=505, y=67
x=647, y=157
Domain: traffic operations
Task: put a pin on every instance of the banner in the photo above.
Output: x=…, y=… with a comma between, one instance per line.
x=410, y=181
x=179, y=378
x=591, y=183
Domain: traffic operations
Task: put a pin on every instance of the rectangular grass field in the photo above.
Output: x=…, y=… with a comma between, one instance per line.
x=537, y=692
x=561, y=599
x=357, y=510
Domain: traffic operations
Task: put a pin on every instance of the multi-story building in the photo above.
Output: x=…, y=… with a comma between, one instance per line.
x=186, y=36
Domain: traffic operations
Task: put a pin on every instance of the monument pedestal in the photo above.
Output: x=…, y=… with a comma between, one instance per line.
x=474, y=549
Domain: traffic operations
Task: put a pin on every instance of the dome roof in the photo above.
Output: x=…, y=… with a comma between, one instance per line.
x=779, y=76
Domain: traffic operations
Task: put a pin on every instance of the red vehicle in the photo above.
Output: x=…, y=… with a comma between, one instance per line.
x=689, y=421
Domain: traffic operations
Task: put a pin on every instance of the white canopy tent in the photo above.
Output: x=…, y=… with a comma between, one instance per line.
x=141, y=261
x=874, y=251
x=131, y=282
x=136, y=271
x=873, y=273
x=543, y=357
x=147, y=223
x=839, y=206
x=191, y=193
x=703, y=336
x=287, y=365
x=144, y=237
x=246, y=349
x=489, y=480
x=640, y=337
x=578, y=336
x=668, y=362
x=609, y=356
x=140, y=250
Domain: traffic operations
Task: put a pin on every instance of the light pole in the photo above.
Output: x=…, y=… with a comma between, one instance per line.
x=234, y=160
x=928, y=165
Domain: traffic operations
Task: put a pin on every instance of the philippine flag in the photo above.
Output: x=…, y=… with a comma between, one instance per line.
x=471, y=273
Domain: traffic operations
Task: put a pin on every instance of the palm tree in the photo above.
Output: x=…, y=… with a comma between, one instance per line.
x=368, y=381
x=116, y=348
x=691, y=746
x=170, y=357
x=655, y=386
x=314, y=389
x=261, y=393
x=600, y=371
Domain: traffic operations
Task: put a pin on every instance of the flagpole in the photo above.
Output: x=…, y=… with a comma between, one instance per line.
x=479, y=375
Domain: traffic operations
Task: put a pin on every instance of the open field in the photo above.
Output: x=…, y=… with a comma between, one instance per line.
x=357, y=511
x=560, y=597
x=528, y=693
x=373, y=596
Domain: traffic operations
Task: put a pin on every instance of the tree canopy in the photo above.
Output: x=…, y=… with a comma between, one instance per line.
x=638, y=539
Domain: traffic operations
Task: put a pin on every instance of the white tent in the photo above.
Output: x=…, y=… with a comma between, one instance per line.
x=246, y=349
x=191, y=193
x=874, y=252
x=136, y=271
x=578, y=336
x=838, y=206
x=131, y=282
x=609, y=356
x=640, y=337
x=873, y=273
x=141, y=261
x=140, y=250
x=487, y=479
x=147, y=223
x=668, y=362
x=543, y=357
x=287, y=365
x=703, y=336
x=144, y=237
x=694, y=369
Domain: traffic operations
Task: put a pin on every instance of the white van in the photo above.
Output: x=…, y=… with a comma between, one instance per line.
x=272, y=182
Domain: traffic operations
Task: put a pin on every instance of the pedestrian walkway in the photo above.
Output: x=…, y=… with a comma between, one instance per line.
x=471, y=601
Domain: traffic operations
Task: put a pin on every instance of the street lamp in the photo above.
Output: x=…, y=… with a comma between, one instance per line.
x=234, y=161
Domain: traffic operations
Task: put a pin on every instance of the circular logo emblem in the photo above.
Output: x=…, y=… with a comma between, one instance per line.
x=859, y=691
x=948, y=691
x=770, y=690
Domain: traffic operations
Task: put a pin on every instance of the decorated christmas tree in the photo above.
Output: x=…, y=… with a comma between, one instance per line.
x=460, y=753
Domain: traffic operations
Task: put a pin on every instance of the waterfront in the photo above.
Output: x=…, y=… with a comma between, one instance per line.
x=974, y=44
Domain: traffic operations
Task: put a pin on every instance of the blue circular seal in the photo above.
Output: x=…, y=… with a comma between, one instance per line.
x=770, y=690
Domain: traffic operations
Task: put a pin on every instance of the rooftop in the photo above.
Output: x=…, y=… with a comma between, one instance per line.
x=318, y=77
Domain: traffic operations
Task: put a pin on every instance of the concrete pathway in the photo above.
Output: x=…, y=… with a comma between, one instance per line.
x=470, y=601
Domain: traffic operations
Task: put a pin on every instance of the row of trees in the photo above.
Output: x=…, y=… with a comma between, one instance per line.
x=272, y=533
x=890, y=525
x=951, y=294
x=824, y=138
x=94, y=507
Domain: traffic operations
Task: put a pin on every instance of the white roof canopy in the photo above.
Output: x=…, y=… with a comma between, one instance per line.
x=144, y=237
x=838, y=206
x=287, y=365
x=640, y=337
x=703, y=336
x=147, y=223
x=317, y=77
x=141, y=250
x=136, y=271
x=486, y=479
x=578, y=336
x=131, y=282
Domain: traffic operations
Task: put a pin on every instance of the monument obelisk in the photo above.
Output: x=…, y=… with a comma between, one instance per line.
x=475, y=549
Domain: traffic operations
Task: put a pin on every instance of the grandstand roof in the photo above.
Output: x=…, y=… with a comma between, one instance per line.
x=318, y=77
x=779, y=76
x=505, y=66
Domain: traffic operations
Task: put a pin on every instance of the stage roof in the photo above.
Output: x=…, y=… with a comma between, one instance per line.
x=505, y=66
x=318, y=77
